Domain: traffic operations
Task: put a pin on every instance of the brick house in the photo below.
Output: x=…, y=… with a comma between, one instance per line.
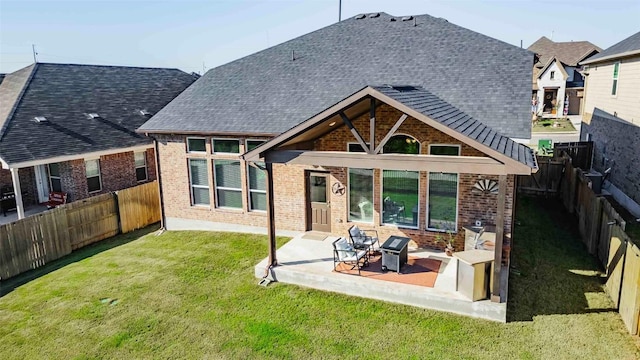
x=557, y=80
x=306, y=136
x=71, y=128
x=611, y=118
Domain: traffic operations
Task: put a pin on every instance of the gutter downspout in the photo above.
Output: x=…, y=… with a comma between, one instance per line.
x=159, y=179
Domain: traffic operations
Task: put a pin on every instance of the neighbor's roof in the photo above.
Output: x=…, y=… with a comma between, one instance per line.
x=626, y=47
x=66, y=94
x=268, y=92
x=569, y=53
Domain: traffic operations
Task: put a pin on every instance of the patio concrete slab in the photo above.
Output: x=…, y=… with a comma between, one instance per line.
x=13, y=215
x=309, y=263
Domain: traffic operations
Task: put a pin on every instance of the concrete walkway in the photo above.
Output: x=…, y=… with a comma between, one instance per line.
x=13, y=215
x=309, y=263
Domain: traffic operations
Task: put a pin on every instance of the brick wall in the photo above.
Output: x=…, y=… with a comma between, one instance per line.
x=616, y=144
x=289, y=185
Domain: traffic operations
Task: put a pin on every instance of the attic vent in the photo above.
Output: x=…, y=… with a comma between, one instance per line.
x=361, y=16
x=443, y=19
x=392, y=19
x=94, y=115
x=403, y=88
x=407, y=18
x=40, y=119
x=145, y=112
x=374, y=15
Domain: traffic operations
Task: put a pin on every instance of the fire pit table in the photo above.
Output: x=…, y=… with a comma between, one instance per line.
x=394, y=253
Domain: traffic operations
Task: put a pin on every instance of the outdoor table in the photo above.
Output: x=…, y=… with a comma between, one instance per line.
x=394, y=252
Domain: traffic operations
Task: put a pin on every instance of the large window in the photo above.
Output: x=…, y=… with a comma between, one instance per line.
x=55, y=182
x=141, y=166
x=228, y=183
x=257, y=188
x=614, y=88
x=401, y=144
x=225, y=146
x=92, y=167
x=361, y=195
x=199, y=179
x=442, y=201
x=400, y=197
x=257, y=181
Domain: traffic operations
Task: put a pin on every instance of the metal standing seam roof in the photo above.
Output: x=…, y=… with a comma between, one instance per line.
x=424, y=102
x=628, y=45
x=275, y=89
x=66, y=94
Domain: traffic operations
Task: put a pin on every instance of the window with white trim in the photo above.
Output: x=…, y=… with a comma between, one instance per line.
x=228, y=183
x=55, y=182
x=196, y=145
x=225, y=146
x=140, y=161
x=616, y=69
x=94, y=181
x=257, y=180
x=442, y=201
x=443, y=149
x=199, y=182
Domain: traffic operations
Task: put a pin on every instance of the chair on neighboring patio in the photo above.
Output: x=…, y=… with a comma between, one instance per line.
x=363, y=239
x=345, y=253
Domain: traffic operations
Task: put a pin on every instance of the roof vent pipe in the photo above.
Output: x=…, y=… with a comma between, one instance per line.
x=293, y=55
x=414, y=22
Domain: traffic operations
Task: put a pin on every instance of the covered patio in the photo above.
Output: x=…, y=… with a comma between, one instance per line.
x=309, y=262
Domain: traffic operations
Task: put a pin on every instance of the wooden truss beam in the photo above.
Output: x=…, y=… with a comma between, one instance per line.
x=355, y=132
x=393, y=130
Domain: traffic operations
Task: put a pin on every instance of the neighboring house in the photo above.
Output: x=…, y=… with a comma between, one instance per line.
x=309, y=135
x=612, y=118
x=71, y=128
x=558, y=85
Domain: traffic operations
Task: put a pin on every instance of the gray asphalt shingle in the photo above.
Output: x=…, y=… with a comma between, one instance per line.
x=632, y=43
x=65, y=94
x=424, y=102
x=269, y=93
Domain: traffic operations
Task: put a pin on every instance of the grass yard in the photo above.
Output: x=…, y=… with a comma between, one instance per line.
x=193, y=295
x=547, y=125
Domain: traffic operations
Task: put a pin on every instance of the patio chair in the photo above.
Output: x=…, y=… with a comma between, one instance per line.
x=345, y=253
x=363, y=239
x=393, y=210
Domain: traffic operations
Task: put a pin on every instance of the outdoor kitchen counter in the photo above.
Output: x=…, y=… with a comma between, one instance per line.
x=474, y=273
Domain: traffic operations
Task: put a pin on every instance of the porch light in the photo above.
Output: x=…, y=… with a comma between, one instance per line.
x=332, y=123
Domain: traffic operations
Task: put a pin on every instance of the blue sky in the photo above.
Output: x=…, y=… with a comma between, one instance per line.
x=192, y=34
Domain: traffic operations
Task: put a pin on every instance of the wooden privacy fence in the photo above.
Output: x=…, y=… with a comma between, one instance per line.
x=546, y=181
x=36, y=240
x=602, y=230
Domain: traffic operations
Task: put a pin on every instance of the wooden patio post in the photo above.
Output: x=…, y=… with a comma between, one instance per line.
x=271, y=223
x=497, y=263
x=17, y=192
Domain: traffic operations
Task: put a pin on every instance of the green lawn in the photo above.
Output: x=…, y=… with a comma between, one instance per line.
x=547, y=125
x=193, y=295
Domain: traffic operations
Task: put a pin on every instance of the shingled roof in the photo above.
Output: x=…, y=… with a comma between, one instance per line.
x=65, y=95
x=277, y=88
x=569, y=53
x=627, y=47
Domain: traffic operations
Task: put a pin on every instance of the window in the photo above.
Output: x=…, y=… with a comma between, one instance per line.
x=196, y=145
x=614, y=88
x=199, y=181
x=257, y=187
x=92, y=168
x=400, y=197
x=55, y=182
x=252, y=144
x=552, y=75
x=355, y=147
x=228, y=184
x=447, y=150
x=140, y=160
x=361, y=195
x=401, y=144
x=226, y=146
x=442, y=201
